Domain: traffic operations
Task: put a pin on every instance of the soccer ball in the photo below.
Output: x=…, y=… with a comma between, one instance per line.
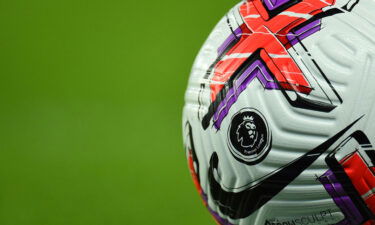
x=279, y=123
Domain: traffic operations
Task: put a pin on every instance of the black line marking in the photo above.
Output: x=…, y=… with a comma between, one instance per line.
x=328, y=81
x=349, y=9
x=329, y=99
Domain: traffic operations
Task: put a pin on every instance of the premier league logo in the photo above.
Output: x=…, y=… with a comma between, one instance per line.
x=249, y=136
x=247, y=133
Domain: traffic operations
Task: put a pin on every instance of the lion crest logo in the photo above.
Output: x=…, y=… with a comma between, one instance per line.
x=247, y=133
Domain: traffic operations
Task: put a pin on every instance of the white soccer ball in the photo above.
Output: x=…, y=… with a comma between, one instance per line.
x=279, y=122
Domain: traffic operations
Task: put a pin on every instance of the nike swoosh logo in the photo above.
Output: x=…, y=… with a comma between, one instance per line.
x=242, y=204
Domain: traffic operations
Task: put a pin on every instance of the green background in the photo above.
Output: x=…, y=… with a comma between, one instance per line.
x=91, y=94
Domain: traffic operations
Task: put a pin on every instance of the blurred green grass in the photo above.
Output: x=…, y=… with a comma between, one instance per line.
x=91, y=94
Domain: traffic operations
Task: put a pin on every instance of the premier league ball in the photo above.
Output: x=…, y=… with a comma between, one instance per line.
x=279, y=120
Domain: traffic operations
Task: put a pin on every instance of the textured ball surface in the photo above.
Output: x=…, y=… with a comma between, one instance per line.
x=279, y=121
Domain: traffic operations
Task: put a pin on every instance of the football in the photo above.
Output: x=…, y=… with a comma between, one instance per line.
x=278, y=122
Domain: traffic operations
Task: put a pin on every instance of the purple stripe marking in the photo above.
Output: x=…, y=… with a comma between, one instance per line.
x=298, y=35
x=220, y=219
x=255, y=70
x=342, y=200
x=237, y=34
x=274, y=4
